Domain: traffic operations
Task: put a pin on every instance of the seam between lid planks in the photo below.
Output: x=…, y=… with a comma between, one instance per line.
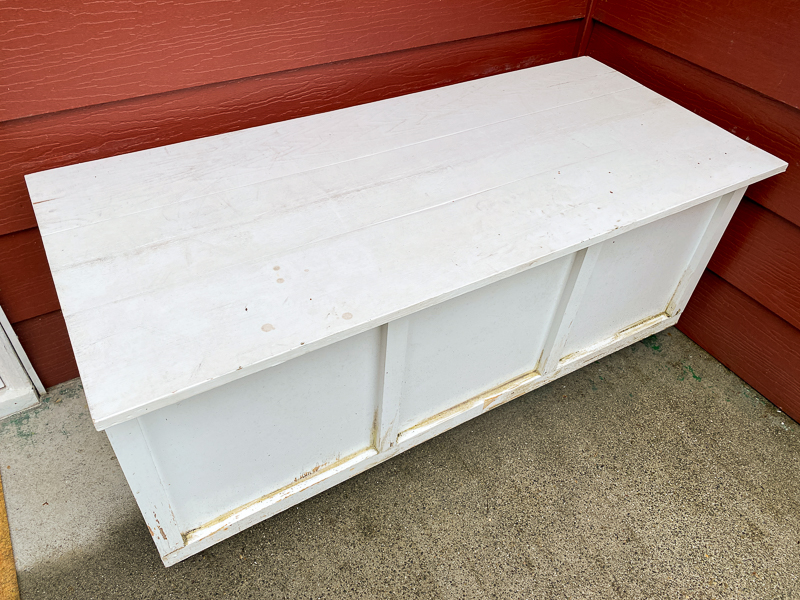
x=185, y=267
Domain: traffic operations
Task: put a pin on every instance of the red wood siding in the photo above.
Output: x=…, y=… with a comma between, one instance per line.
x=757, y=345
x=752, y=42
x=113, y=87
x=760, y=255
x=26, y=287
x=746, y=311
x=59, y=56
x=47, y=344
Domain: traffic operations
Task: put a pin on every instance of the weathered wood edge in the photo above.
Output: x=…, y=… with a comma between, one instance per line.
x=275, y=502
x=188, y=392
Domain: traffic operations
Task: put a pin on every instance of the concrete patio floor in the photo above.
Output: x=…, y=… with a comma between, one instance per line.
x=654, y=473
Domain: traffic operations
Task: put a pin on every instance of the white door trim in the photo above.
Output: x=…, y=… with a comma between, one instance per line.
x=20, y=387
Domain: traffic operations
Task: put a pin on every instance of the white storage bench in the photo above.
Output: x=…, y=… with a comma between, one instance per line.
x=260, y=315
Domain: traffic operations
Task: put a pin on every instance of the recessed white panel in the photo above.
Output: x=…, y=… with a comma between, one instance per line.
x=233, y=444
x=478, y=341
x=636, y=275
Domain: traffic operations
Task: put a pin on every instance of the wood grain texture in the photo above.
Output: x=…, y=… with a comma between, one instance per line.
x=760, y=255
x=752, y=42
x=26, y=287
x=170, y=262
x=58, y=57
x=748, y=338
x=49, y=141
x=762, y=121
x=47, y=344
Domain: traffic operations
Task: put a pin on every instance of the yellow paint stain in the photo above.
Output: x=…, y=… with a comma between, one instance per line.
x=445, y=414
x=8, y=572
x=297, y=483
x=510, y=390
x=622, y=333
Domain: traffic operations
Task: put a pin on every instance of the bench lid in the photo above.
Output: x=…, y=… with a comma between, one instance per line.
x=184, y=267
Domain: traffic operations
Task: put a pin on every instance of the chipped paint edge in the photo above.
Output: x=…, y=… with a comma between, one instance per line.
x=277, y=501
x=103, y=422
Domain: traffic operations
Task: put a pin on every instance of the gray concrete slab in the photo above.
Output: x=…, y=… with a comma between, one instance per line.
x=654, y=473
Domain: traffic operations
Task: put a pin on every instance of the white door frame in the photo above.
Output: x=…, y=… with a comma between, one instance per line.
x=20, y=387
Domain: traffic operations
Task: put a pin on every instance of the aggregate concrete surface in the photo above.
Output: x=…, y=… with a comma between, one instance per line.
x=653, y=473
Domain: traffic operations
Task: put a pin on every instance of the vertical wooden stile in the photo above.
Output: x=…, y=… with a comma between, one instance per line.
x=726, y=206
x=567, y=307
x=394, y=360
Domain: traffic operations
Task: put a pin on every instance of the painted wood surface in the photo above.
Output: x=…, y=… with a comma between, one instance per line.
x=186, y=267
x=271, y=504
x=57, y=58
x=656, y=258
x=760, y=120
x=749, y=339
x=316, y=481
x=394, y=349
x=229, y=457
x=26, y=286
x=55, y=140
x=478, y=341
x=721, y=215
x=67, y=137
x=259, y=434
x=760, y=255
x=752, y=42
x=569, y=300
x=296, y=429
x=147, y=484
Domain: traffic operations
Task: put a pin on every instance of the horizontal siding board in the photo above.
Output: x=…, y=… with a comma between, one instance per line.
x=26, y=286
x=753, y=42
x=47, y=345
x=748, y=338
x=760, y=255
x=762, y=121
x=58, y=58
x=30, y=145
